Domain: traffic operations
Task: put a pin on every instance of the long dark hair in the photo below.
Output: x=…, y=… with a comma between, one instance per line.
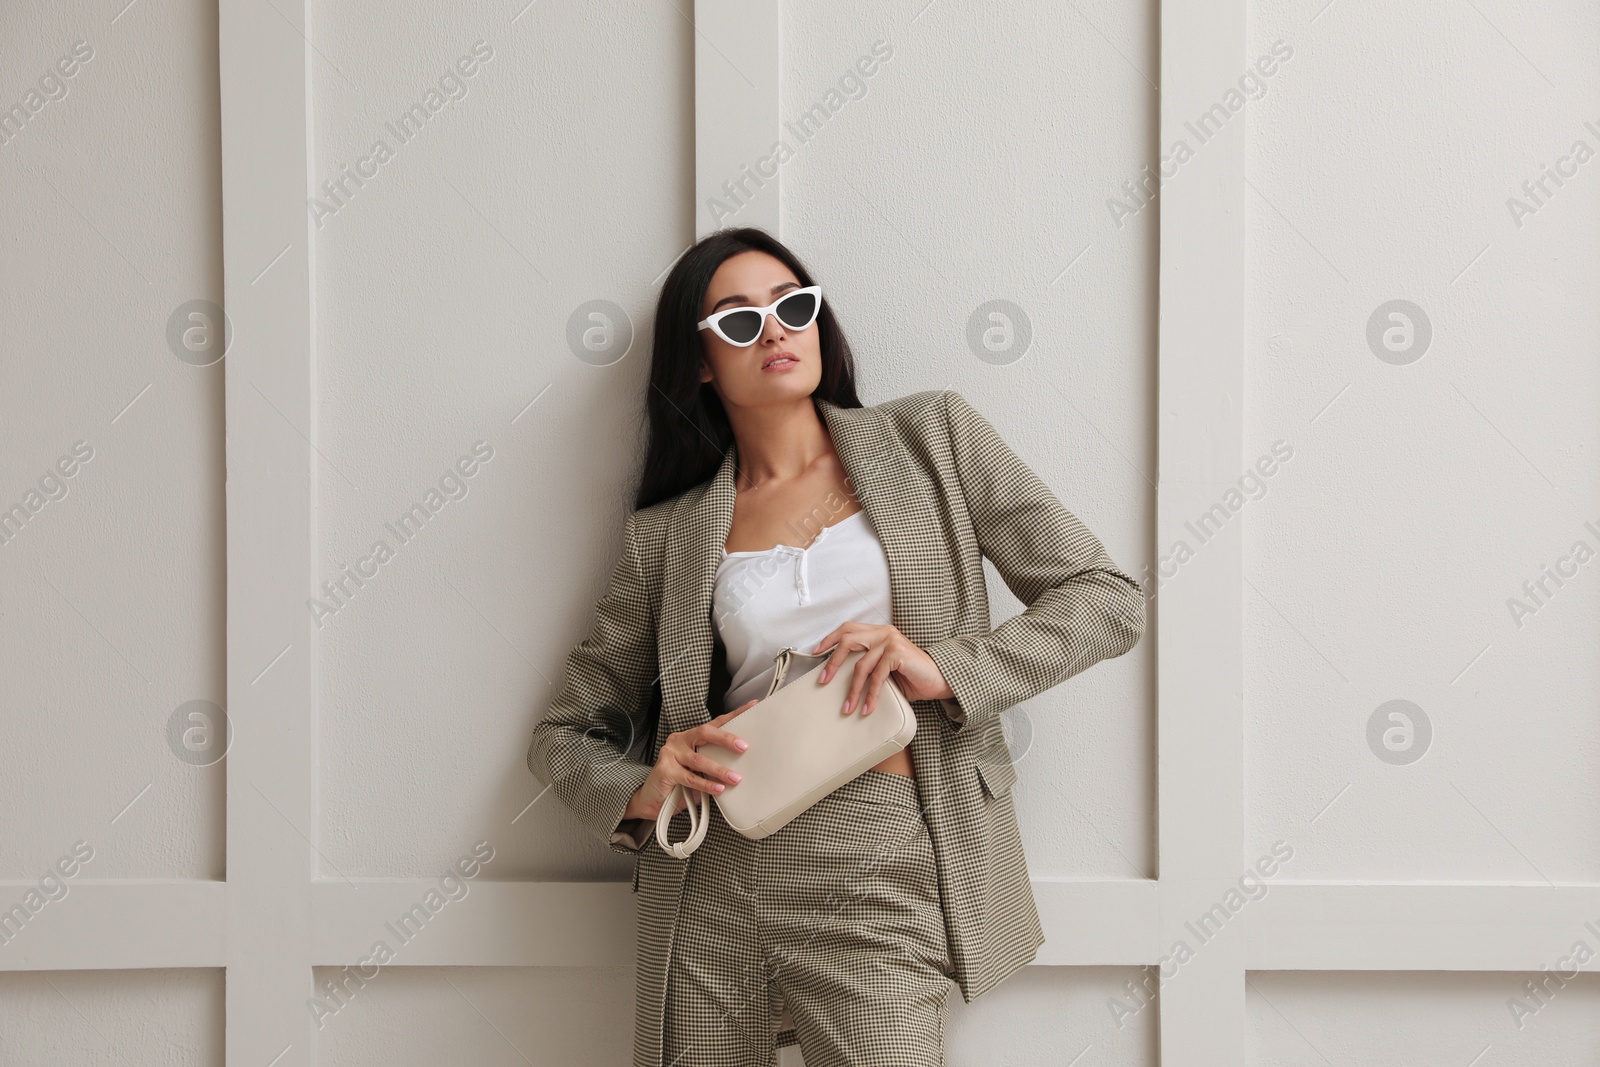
x=689, y=429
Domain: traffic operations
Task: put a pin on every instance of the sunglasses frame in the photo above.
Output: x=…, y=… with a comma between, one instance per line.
x=714, y=322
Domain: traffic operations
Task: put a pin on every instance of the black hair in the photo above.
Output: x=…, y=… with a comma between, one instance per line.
x=689, y=432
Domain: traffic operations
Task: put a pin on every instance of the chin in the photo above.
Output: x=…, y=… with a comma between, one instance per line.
x=794, y=387
x=779, y=389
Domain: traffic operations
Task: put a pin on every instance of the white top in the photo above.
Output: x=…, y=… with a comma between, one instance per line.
x=788, y=596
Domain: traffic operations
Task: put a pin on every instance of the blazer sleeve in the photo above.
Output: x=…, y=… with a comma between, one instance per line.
x=1080, y=607
x=580, y=747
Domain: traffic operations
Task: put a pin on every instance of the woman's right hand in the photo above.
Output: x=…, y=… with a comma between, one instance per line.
x=680, y=764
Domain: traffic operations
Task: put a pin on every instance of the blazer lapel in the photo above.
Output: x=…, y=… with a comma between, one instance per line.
x=898, y=504
x=900, y=508
x=685, y=640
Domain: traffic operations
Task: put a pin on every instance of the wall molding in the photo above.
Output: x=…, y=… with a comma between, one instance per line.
x=275, y=918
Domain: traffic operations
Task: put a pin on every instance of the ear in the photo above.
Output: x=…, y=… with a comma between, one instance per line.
x=705, y=371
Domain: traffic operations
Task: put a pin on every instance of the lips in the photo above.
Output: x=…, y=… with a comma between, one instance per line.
x=780, y=359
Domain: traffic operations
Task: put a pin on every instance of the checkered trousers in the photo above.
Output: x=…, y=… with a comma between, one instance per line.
x=830, y=928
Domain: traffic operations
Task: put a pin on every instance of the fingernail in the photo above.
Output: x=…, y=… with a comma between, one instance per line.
x=742, y=745
x=846, y=708
x=736, y=776
x=718, y=787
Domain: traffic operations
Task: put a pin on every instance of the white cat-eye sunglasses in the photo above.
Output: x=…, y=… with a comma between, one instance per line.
x=742, y=327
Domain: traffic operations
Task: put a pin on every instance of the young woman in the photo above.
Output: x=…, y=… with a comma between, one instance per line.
x=775, y=510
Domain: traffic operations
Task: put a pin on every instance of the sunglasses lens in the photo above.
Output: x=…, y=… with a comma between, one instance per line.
x=797, y=311
x=742, y=326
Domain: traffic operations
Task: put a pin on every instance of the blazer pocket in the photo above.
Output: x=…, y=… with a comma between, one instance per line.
x=997, y=777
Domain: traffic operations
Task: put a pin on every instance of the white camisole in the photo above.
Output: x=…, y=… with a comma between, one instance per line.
x=788, y=596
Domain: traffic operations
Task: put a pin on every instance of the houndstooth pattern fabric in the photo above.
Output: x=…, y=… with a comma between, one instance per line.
x=836, y=916
x=943, y=491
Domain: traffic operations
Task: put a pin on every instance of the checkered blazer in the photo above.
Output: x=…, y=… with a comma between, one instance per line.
x=942, y=490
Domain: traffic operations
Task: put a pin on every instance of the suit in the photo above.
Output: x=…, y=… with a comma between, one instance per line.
x=943, y=491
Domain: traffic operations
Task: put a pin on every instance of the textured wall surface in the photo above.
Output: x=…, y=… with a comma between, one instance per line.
x=1416, y=494
x=1384, y=558
x=112, y=619
x=974, y=168
x=1418, y=1017
x=170, y=1018
x=558, y=173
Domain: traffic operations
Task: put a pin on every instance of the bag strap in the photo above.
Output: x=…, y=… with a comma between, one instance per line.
x=700, y=820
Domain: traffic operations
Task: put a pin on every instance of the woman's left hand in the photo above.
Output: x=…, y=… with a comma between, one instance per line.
x=888, y=651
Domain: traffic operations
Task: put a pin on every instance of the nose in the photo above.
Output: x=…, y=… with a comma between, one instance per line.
x=772, y=328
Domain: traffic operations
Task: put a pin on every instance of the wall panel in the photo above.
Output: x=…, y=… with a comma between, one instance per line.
x=971, y=166
x=1401, y=554
x=111, y=474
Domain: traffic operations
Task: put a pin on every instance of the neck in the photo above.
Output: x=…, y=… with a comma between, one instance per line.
x=777, y=442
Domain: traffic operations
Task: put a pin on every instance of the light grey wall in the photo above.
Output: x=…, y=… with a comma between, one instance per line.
x=931, y=196
x=111, y=616
x=114, y=581
x=444, y=284
x=1426, y=485
x=987, y=160
x=1386, y=554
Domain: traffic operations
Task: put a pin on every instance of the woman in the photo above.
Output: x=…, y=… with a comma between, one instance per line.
x=775, y=510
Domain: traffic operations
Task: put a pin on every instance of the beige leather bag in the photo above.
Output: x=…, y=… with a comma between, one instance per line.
x=801, y=749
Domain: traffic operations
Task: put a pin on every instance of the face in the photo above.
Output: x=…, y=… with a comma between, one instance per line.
x=783, y=365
